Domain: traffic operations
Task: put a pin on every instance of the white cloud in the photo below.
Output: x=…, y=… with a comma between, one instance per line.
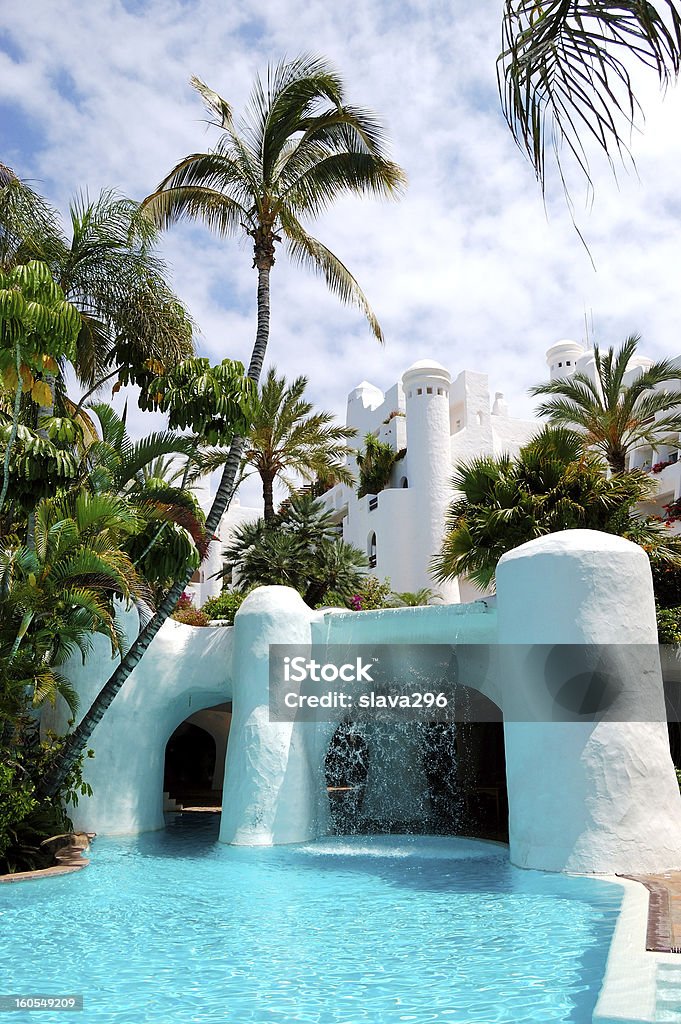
x=469, y=268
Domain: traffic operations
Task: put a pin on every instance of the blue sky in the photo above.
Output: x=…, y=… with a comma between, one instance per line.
x=471, y=267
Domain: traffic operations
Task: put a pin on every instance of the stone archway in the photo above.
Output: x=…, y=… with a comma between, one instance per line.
x=195, y=760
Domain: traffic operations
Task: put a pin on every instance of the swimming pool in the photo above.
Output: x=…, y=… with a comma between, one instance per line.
x=174, y=927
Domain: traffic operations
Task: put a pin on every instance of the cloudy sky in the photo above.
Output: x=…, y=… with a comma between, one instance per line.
x=470, y=268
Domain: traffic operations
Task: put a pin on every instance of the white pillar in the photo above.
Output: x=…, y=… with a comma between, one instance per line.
x=426, y=387
x=585, y=797
x=274, y=790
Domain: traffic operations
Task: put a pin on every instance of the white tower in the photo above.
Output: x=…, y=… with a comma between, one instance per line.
x=562, y=358
x=426, y=388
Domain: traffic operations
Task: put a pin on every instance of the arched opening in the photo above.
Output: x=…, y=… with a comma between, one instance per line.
x=195, y=761
x=404, y=482
x=371, y=550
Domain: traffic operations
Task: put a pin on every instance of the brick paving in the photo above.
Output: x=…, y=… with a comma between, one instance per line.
x=664, y=911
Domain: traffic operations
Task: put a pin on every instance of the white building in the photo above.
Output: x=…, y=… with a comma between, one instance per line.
x=437, y=422
x=568, y=357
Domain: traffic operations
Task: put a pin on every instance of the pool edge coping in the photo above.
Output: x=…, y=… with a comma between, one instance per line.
x=629, y=990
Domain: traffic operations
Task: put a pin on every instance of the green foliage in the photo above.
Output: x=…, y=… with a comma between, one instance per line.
x=16, y=803
x=552, y=485
x=216, y=402
x=130, y=323
x=25, y=821
x=36, y=322
x=414, y=598
x=371, y=595
x=667, y=585
x=614, y=417
x=565, y=72
x=669, y=625
x=225, y=605
x=287, y=436
x=299, y=548
x=171, y=535
x=375, y=465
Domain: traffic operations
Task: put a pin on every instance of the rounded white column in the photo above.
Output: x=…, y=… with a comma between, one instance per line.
x=591, y=797
x=426, y=388
x=274, y=789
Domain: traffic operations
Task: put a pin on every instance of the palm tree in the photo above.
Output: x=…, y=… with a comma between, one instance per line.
x=375, y=465
x=37, y=328
x=614, y=417
x=288, y=437
x=300, y=148
x=298, y=548
x=564, y=72
x=131, y=322
x=171, y=534
x=55, y=595
x=552, y=485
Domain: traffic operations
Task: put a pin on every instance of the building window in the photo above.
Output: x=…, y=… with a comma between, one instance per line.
x=429, y=391
x=371, y=550
x=404, y=482
x=440, y=391
x=567, y=363
x=419, y=391
x=560, y=364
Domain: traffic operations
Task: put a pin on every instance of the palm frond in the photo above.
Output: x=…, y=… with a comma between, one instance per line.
x=311, y=253
x=563, y=72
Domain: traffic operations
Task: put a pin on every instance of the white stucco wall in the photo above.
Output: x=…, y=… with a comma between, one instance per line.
x=585, y=797
x=186, y=668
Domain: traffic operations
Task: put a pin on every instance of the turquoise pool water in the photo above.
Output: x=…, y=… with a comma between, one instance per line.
x=175, y=928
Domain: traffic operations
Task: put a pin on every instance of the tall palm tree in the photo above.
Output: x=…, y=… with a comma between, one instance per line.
x=299, y=148
x=564, y=72
x=288, y=437
x=552, y=485
x=614, y=417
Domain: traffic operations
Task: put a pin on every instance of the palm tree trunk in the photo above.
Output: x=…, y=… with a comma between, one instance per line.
x=268, y=497
x=75, y=743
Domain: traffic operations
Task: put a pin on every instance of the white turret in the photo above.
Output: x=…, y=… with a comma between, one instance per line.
x=562, y=358
x=426, y=387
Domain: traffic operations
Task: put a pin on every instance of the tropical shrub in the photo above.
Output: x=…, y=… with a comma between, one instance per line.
x=669, y=626
x=299, y=548
x=371, y=595
x=552, y=485
x=375, y=464
x=186, y=613
x=225, y=605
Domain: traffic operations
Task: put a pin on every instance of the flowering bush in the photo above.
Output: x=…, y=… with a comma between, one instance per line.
x=659, y=466
x=186, y=612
